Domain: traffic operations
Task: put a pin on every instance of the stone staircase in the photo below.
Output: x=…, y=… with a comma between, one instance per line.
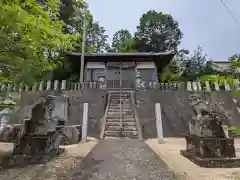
x=120, y=121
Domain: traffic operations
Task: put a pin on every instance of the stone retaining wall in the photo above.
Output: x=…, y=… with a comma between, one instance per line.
x=175, y=110
x=96, y=98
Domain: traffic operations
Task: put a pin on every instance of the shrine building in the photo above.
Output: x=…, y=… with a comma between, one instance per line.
x=121, y=68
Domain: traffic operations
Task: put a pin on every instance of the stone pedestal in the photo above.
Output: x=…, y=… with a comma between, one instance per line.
x=211, y=152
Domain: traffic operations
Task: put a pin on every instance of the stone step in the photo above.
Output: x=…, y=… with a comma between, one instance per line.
x=118, y=109
x=117, y=123
x=113, y=128
x=118, y=128
x=124, y=118
x=118, y=134
x=120, y=114
x=129, y=128
x=117, y=106
x=118, y=103
x=127, y=120
x=117, y=113
x=124, y=109
x=122, y=93
x=118, y=97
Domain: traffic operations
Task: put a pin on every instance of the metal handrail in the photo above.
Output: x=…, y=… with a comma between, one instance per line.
x=104, y=118
x=121, y=118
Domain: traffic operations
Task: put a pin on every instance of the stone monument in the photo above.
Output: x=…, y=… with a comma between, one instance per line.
x=39, y=136
x=208, y=143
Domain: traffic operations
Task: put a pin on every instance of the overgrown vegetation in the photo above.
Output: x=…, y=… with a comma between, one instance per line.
x=31, y=38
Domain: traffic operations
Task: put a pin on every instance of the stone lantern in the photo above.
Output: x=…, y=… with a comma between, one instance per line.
x=138, y=80
x=102, y=80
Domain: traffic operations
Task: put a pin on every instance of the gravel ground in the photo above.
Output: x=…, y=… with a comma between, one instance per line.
x=115, y=159
x=73, y=155
x=169, y=152
x=110, y=159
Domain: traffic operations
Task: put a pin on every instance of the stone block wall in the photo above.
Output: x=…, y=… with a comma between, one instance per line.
x=173, y=98
x=145, y=108
x=97, y=99
x=175, y=108
x=25, y=100
x=78, y=94
x=175, y=111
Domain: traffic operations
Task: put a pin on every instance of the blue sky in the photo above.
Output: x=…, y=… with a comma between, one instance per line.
x=204, y=22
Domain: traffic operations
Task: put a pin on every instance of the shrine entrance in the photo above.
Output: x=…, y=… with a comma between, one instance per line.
x=121, y=75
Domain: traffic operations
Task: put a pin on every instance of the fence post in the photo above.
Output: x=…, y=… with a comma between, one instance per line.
x=20, y=87
x=48, y=85
x=194, y=86
x=40, y=88
x=26, y=88
x=158, y=116
x=63, y=87
x=199, y=85
x=237, y=84
x=208, y=88
x=189, y=86
x=227, y=86
x=84, y=123
x=34, y=87
x=55, y=85
x=216, y=86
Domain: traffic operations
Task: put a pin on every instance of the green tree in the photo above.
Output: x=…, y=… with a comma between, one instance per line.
x=28, y=31
x=235, y=65
x=157, y=32
x=121, y=40
x=195, y=64
x=128, y=45
x=72, y=13
x=96, y=37
x=174, y=70
x=225, y=74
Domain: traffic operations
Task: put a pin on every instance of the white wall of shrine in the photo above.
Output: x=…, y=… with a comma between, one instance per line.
x=146, y=65
x=139, y=65
x=147, y=71
x=95, y=65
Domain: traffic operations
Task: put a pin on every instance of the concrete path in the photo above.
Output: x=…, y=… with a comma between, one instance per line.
x=115, y=159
